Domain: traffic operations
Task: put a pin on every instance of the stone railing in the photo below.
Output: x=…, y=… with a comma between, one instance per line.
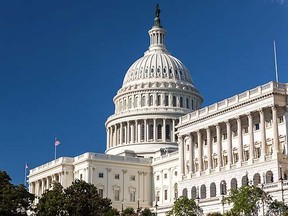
x=247, y=95
x=97, y=156
x=58, y=161
x=172, y=154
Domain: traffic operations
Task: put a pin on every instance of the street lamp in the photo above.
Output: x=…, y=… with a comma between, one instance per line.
x=138, y=207
x=281, y=180
x=122, y=203
x=198, y=199
x=156, y=205
x=247, y=183
x=262, y=198
x=222, y=193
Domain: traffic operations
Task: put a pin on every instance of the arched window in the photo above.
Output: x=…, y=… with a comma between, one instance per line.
x=193, y=192
x=166, y=100
x=167, y=130
x=233, y=183
x=151, y=100
x=223, y=187
x=151, y=131
x=212, y=189
x=142, y=132
x=136, y=101
x=159, y=131
x=123, y=135
x=174, y=101
x=256, y=179
x=143, y=101
x=181, y=102
x=158, y=100
x=176, y=191
x=203, y=192
x=269, y=177
x=185, y=192
x=245, y=180
x=192, y=101
x=187, y=103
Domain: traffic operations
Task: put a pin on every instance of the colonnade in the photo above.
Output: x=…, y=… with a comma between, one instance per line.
x=141, y=131
x=222, y=144
x=39, y=186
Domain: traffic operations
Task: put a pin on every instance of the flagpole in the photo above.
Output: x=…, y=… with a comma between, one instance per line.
x=55, y=149
x=25, y=174
x=275, y=60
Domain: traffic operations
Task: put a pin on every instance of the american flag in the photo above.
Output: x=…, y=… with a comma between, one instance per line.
x=57, y=142
x=26, y=166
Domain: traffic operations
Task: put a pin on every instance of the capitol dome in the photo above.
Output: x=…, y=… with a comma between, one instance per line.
x=156, y=91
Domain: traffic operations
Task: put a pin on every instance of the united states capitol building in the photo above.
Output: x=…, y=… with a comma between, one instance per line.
x=161, y=144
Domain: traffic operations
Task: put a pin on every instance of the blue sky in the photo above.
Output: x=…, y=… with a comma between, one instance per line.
x=62, y=62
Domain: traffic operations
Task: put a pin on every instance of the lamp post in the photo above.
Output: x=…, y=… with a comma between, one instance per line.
x=122, y=205
x=138, y=207
x=262, y=198
x=281, y=180
x=156, y=205
x=247, y=183
x=198, y=199
x=222, y=193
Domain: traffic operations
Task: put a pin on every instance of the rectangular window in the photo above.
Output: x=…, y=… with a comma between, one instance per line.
x=117, y=195
x=100, y=192
x=224, y=136
x=101, y=175
x=157, y=177
x=166, y=100
x=165, y=194
x=246, y=155
x=215, y=139
x=187, y=148
x=132, y=178
x=281, y=119
x=245, y=129
x=205, y=142
x=256, y=127
x=117, y=176
x=132, y=196
x=165, y=175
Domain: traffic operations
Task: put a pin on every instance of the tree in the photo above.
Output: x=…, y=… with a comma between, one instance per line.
x=146, y=212
x=129, y=211
x=214, y=214
x=112, y=212
x=15, y=199
x=52, y=202
x=245, y=199
x=277, y=208
x=184, y=206
x=80, y=199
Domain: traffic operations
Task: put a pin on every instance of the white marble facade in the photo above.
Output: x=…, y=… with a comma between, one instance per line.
x=161, y=144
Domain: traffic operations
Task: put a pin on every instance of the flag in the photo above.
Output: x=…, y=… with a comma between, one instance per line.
x=57, y=142
x=26, y=166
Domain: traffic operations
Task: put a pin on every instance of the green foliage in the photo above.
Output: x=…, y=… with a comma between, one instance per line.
x=80, y=199
x=277, y=208
x=214, y=214
x=245, y=199
x=146, y=212
x=184, y=206
x=112, y=212
x=129, y=211
x=14, y=199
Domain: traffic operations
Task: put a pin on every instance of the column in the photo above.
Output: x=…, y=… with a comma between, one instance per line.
x=136, y=132
x=191, y=164
x=275, y=130
x=240, y=139
x=145, y=130
x=229, y=142
x=219, y=147
x=108, y=137
x=154, y=130
x=132, y=128
x=251, y=137
x=199, y=140
x=173, y=130
x=181, y=155
x=263, y=133
x=209, y=150
x=164, y=130
x=121, y=135
x=128, y=132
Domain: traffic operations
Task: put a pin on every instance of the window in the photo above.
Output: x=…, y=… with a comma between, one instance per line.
x=224, y=136
x=257, y=127
x=100, y=192
x=158, y=100
x=151, y=130
x=166, y=100
x=192, y=104
x=151, y=100
x=158, y=196
x=225, y=160
x=257, y=152
x=101, y=175
x=214, y=139
x=181, y=102
x=143, y=101
x=235, y=157
x=165, y=175
x=281, y=119
x=81, y=176
x=117, y=176
x=174, y=101
x=187, y=103
x=245, y=129
x=165, y=194
x=205, y=142
x=246, y=155
x=132, y=178
x=117, y=195
x=142, y=132
x=159, y=131
x=187, y=148
x=215, y=162
x=157, y=177
x=168, y=135
x=132, y=196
